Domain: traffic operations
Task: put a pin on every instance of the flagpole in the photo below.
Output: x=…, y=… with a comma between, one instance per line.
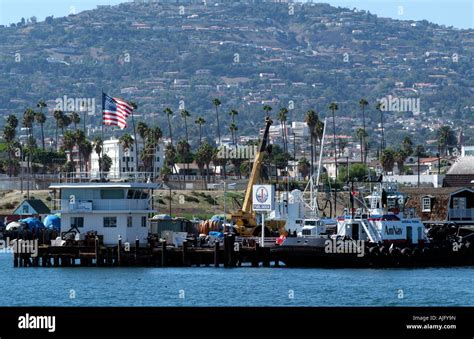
x=101, y=159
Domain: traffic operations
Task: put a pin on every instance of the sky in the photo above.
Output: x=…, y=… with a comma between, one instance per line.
x=456, y=13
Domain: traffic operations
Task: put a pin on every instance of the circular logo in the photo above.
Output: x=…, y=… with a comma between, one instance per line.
x=262, y=195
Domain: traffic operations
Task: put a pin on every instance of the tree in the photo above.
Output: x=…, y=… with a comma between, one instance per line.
x=85, y=151
x=303, y=167
x=342, y=143
x=69, y=141
x=216, y=102
x=400, y=156
x=9, y=133
x=311, y=119
x=446, y=138
x=407, y=146
x=184, y=150
x=185, y=114
x=142, y=129
x=363, y=103
x=58, y=116
x=126, y=141
x=80, y=139
x=75, y=119
x=97, y=145
x=40, y=118
x=205, y=154
x=387, y=159
x=169, y=113
x=105, y=163
x=361, y=134
x=200, y=121
x=233, y=126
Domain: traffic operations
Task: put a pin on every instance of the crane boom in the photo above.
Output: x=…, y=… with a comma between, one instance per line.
x=257, y=165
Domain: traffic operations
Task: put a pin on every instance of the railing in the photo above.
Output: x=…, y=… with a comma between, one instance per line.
x=103, y=205
x=251, y=241
x=457, y=213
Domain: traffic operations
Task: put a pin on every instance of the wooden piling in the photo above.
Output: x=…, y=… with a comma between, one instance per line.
x=119, y=251
x=15, y=260
x=255, y=258
x=137, y=245
x=163, y=253
x=97, y=251
x=185, y=253
x=227, y=254
x=216, y=253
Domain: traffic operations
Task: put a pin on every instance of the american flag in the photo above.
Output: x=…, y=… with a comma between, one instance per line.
x=115, y=111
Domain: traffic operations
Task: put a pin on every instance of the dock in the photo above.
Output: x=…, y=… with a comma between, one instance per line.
x=232, y=252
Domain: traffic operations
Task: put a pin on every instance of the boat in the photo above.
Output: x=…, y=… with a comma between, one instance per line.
x=381, y=232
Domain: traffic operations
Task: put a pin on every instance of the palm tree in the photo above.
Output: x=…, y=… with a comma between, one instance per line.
x=380, y=107
x=64, y=122
x=169, y=114
x=153, y=136
x=267, y=109
x=362, y=104
x=205, y=154
x=400, y=156
x=98, y=144
x=85, y=151
x=407, y=145
x=387, y=159
x=9, y=133
x=311, y=119
x=200, y=121
x=142, y=129
x=303, y=167
x=80, y=138
x=75, y=119
x=126, y=141
x=282, y=117
x=216, y=102
x=233, y=127
x=361, y=134
x=69, y=141
x=185, y=114
x=58, y=116
x=446, y=138
x=41, y=118
x=184, y=149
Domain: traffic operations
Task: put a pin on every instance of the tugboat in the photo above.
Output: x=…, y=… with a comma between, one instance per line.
x=381, y=232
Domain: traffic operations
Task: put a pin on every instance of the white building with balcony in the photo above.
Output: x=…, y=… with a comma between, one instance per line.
x=111, y=209
x=125, y=161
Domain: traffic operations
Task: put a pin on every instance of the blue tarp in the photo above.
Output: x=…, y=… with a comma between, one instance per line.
x=218, y=217
x=216, y=234
x=32, y=223
x=53, y=222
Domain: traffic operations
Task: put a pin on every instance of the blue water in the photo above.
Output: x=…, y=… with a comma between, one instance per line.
x=244, y=286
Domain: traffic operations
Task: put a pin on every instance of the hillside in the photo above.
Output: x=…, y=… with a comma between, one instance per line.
x=302, y=56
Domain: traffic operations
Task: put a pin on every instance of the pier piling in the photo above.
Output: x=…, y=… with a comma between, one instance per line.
x=216, y=253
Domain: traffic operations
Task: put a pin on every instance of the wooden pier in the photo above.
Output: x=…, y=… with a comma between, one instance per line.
x=232, y=252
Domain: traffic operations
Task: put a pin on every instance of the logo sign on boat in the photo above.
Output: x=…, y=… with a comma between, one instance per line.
x=263, y=197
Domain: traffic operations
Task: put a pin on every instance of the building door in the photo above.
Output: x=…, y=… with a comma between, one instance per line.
x=410, y=234
x=355, y=231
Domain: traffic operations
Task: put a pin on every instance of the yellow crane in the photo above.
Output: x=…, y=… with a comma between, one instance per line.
x=245, y=219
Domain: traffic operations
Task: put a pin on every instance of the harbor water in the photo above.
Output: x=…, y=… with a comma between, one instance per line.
x=245, y=286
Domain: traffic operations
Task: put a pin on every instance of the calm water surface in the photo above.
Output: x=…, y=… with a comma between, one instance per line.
x=244, y=286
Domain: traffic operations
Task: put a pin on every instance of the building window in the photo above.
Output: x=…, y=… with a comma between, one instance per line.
x=123, y=159
x=77, y=221
x=143, y=221
x=426, y=204
x=459, y=203
x=123, y=169
x=129, y=221
x=25, y=209
x=110, y=221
